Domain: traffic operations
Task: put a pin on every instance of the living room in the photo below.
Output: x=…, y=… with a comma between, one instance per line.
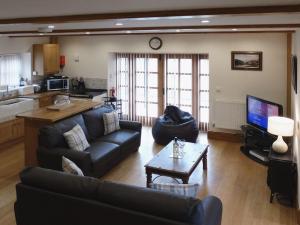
x=171, y=76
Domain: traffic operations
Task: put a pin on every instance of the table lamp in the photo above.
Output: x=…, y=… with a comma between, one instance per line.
x=283, y=127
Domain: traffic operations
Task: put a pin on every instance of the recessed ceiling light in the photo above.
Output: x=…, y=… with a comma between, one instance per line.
x=234, y=29
x=128, y=31
x=205, y=21
x=119, y=24
x=178, y=30
x=87, y=33
x=41, y=34
x=51, y=26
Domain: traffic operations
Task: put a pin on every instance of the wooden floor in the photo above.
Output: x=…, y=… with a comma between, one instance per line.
x=239, y=182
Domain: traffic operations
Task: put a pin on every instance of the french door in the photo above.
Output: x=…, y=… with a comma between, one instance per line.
x=147, y=83
x=146, y=87
x=179, y=82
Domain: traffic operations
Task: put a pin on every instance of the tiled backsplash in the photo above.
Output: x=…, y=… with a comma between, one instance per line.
x=95, y=83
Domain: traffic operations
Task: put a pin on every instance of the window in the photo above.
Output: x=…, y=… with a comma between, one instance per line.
x=178, y=85
x=10, y=70
x=203, y=103
x=123, y=82
x=146, y=86
x=147, y=83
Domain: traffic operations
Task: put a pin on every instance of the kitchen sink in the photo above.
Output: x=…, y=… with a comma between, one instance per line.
x=11, y=107
x=11, y=101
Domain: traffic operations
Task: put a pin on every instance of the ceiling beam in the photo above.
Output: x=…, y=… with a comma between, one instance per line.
x=245, y=26
x=165, y=13
x=152, y=33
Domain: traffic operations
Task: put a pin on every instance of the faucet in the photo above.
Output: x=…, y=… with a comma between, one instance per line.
x=7, y=94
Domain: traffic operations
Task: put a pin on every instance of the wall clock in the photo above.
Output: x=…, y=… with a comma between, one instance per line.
x=155, y=43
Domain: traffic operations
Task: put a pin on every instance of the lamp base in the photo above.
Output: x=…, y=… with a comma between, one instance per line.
x=279, y=145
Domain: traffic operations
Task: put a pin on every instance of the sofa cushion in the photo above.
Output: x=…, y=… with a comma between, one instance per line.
x=52, y=135
x=76, y=139
x=60, y=182
x=69, y=166
x=121, y=137
x=171, y=206
x=190, y=190
x=94, y=121
x=103, y=154
x=111, y=122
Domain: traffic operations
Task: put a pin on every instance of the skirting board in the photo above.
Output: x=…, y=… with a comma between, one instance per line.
x=224, y=136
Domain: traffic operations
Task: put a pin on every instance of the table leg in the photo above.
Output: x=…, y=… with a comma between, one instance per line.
x=149, y=178
x=205, y=161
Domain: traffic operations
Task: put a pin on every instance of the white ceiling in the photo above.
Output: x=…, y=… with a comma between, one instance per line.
x=41, y=8
x=37, y=8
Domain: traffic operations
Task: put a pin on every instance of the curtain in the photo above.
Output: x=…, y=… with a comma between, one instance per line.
x=10, y=70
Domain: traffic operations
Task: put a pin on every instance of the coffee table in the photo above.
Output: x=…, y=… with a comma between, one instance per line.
x=162, y=164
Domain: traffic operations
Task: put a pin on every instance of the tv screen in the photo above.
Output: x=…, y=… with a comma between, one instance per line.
x=258, y=111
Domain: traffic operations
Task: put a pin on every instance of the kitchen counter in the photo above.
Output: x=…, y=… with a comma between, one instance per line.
x=36, y=119
x=51, y=116
x=42, y=94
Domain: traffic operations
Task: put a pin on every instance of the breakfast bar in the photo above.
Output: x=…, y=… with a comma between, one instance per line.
x=36, y=119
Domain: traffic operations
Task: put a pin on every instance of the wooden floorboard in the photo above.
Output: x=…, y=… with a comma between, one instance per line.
x=238, y=181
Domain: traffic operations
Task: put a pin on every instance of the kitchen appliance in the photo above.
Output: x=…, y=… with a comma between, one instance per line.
x=37, y=88
x=57, y=83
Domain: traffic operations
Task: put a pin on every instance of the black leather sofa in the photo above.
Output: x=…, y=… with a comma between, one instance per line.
x=174, y=123
x=105, y=150
x=48, y=197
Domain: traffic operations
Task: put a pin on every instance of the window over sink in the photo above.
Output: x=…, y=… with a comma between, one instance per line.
x=13, y=67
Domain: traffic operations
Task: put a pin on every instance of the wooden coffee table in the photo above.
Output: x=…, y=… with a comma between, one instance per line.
x=162, y=164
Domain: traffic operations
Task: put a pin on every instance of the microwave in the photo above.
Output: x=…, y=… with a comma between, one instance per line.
x=58, y=84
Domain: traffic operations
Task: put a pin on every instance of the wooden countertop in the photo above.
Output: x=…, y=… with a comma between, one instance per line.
x=42, y=94
x=50, y=116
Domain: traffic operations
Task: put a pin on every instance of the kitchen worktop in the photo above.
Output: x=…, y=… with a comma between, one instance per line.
x=46, y=115
x=42, y=94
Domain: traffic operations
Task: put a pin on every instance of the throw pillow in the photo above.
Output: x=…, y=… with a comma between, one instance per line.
x=70, y=167
x=76, y=139
x=111, y=122
x=189, y=190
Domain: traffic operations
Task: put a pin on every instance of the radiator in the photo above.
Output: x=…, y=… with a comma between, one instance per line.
x=229, y=114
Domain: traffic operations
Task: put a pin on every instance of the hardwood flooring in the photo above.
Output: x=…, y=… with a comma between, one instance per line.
x=238, y=181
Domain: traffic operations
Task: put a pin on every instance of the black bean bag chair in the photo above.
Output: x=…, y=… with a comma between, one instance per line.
x=175, y=123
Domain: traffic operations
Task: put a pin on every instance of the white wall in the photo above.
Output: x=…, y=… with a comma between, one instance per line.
x=296, y=108
x=19, y=45
x=93, y=52
x=22, y=46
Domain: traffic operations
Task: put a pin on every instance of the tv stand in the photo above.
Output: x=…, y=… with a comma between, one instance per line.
x=257, y=144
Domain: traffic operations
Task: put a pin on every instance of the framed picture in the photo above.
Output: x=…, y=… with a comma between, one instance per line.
x=294, y=73
x=246, y=60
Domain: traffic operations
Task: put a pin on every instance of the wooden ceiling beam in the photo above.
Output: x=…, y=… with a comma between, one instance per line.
x=153, y=33
x=246, y=26
x=161, y=33
x=145, y=14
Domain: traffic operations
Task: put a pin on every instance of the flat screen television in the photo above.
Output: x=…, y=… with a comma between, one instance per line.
x=258, y=111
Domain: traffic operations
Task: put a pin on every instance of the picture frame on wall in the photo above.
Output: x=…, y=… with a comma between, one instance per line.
x=246, y=60
x=294, y=73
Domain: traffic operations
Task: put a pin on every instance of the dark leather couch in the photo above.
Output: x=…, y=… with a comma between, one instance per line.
x=105, y=150
x=48, y=197
x=174, y=123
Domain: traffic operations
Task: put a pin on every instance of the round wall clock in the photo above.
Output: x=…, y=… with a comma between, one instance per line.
x=155, y=43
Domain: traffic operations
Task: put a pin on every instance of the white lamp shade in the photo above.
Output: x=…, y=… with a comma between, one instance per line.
x=281, y=126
